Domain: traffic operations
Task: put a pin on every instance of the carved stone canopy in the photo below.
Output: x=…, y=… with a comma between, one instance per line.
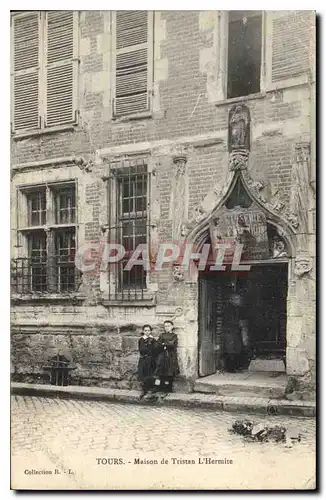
x=238, y=160
x=241, y=190
x=302, y=152
x=180, y=162
x=239, y=127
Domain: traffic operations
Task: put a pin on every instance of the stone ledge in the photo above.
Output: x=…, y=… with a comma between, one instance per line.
x=18, y=136
x=191, y=400
x=51, y=297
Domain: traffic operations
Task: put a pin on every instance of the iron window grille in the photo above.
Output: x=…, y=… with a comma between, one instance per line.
x=50, y=238
x=129, y=225
x=29, y=276
x=58, y=370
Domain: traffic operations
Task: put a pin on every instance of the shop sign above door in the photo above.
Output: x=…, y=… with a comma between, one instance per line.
x=246, y=226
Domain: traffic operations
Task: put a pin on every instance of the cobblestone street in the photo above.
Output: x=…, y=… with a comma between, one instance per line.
x=67, y=437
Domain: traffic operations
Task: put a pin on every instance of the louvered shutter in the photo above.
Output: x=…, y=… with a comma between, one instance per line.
x=26, y=68
x=291, y=34
x=61, y=74
x=133, y=39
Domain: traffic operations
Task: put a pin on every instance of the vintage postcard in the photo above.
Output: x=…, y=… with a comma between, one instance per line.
x=163, y=258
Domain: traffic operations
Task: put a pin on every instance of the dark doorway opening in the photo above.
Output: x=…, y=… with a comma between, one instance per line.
x=242, y=316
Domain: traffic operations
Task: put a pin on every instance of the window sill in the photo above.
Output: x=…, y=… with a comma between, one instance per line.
x=48, y=297
x=50, y=130
x=250, y=97
x=133, y=117
x=148, y=300
x=50, y=227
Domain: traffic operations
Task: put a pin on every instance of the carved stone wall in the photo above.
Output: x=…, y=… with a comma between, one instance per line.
x=190, y=118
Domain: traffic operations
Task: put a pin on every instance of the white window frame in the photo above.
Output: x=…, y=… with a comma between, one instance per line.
x=109, y=281
x=24, y=229
x=223, y=40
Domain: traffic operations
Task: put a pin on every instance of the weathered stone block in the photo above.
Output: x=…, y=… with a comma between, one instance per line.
x=296, y=362
x=130, y=343
x=100, y=81
x=115, y=342
x=130, y=329
x=128, y=365
x=266, y=365
x=84, y=47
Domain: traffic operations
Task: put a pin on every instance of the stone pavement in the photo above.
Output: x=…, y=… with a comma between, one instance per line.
x=96, y=445
x=244, y=403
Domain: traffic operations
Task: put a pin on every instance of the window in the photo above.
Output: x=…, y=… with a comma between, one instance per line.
x=132, y=62
x=129, y=201
x=36, y=208
x=45, y=66
x=50, y=237
x=133, y=222
x=244, y=53
x=65, y=204
x=37, y=255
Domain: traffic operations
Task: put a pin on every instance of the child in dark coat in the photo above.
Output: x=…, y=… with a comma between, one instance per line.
x=146, y=363
x=167, y=366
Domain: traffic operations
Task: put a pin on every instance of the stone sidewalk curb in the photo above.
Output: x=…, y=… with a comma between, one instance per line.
x=191, y=400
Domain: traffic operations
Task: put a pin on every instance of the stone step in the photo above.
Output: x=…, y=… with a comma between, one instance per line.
x=263, y=385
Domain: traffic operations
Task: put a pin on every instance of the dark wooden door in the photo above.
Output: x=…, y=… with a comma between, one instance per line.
x=267, y=322
x=207, y=355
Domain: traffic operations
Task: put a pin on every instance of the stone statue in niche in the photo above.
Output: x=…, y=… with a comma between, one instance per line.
x=215, y=231
x=239, y=127
x=278, y=248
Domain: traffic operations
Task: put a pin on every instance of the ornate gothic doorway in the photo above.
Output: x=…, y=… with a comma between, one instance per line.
x=242, y=318
x=242, y=313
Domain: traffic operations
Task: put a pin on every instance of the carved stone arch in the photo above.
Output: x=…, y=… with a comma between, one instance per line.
x=199, y=234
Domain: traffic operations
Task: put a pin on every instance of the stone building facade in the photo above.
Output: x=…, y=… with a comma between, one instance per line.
x=137, y=127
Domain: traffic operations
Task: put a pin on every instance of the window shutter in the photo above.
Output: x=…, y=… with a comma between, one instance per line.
x=26, y=71
x=291, y=33
x=61, y=60
x=133, y=69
